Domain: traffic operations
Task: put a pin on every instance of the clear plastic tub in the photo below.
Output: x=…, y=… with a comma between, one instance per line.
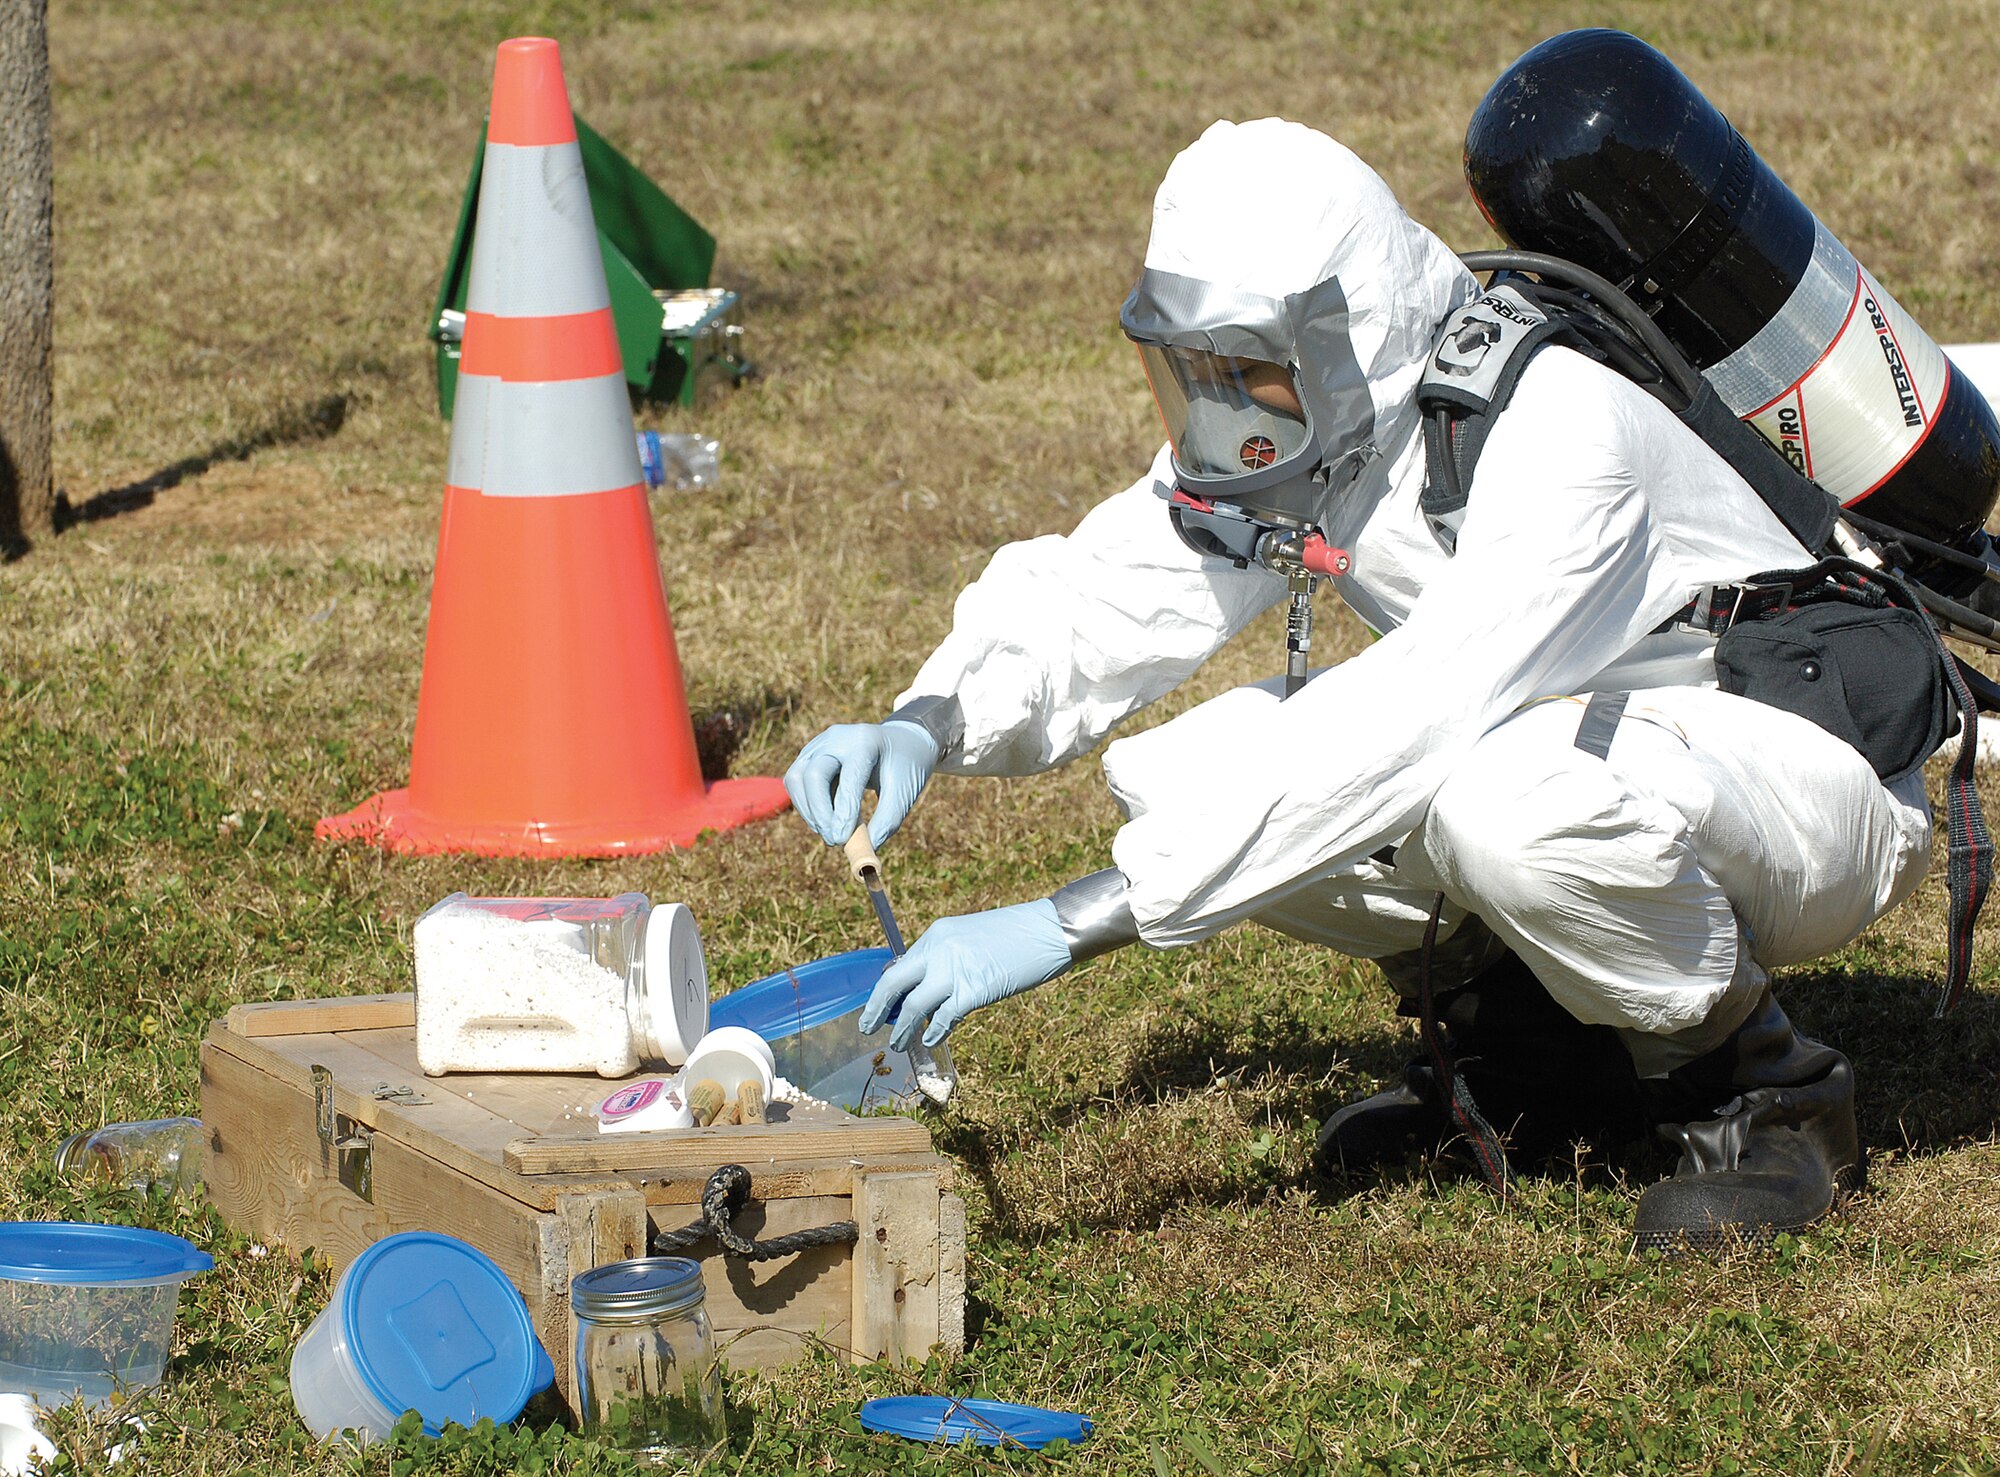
x=328, y=1389
x=811, y=1016
x=87, y=1310
x=423, y=1322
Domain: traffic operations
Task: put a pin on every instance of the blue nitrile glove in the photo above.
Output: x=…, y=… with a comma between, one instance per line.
x=828, y=778
x=961, y=964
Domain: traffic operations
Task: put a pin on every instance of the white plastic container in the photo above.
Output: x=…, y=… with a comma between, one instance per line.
x=649, y=1103
x=419, y=1322
x=24, y=1447
x=557, y=985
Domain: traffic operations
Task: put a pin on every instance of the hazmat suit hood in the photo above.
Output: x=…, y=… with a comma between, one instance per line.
x=1273, y=243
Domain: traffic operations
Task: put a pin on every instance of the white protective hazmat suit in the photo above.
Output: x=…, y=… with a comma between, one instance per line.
x=1646, y=888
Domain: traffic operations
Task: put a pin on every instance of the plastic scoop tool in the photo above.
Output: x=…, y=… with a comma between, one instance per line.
x=935, y=1078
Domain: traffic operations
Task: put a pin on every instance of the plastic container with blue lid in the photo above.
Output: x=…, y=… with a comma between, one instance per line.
x=417, y=1322
x=80, y=1254
x=88, y=1310
x=811, y=1016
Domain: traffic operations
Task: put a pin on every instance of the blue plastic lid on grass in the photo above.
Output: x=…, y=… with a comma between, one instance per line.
x=987, y=1422
x=432, y=1325
x=80, y=1254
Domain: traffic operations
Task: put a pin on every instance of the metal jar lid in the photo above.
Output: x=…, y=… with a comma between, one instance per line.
x=642, y=1290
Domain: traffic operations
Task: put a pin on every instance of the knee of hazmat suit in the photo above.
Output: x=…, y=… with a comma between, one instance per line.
x=1283, y=317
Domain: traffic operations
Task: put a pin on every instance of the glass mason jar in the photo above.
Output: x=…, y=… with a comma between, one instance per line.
x=159, y=1151
x=646, y=1378
x=557, y=984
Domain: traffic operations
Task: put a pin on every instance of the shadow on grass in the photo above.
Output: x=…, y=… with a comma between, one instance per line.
x=314, y=421
x=1924, y=1086
x=1172, y=1065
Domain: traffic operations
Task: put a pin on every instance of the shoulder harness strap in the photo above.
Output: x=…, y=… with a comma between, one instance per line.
x=1468, y=381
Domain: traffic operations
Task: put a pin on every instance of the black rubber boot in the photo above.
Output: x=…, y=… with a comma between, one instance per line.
x=1765, y=1126
x=1540, y=1076
x=1386, y=1128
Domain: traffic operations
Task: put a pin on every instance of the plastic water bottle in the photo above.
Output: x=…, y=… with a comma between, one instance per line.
x=679, y=461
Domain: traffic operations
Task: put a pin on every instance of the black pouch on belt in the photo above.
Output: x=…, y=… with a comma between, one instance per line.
x=1849, y=648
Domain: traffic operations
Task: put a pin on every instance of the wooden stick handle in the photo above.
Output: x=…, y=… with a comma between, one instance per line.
x=861, y=854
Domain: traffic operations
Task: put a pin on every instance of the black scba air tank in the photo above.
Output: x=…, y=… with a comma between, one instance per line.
x=1594, y=147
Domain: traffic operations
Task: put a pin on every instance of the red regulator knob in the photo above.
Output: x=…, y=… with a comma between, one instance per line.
x=1321, y=558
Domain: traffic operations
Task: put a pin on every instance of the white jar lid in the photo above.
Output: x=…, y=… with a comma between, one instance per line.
x=675, y=1009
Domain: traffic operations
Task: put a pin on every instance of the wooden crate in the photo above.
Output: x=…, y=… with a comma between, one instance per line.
x=514, y=1165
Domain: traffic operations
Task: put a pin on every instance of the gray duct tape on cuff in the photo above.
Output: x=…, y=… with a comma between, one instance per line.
x=940, y=717
x=1096, y=914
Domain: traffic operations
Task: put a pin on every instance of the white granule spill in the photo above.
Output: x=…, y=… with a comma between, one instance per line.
x=497, y=994
x=783, y=1091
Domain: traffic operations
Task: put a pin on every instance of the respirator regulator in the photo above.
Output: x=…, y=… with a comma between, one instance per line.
x=1254, y=469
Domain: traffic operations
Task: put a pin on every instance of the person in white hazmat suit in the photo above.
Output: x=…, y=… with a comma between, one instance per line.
x=1617, y=851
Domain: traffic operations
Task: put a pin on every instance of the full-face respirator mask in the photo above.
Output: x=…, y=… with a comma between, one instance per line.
x=1269, y=417
x=1265, y=405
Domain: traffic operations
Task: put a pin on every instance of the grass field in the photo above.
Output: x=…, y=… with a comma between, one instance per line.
x=932, y=216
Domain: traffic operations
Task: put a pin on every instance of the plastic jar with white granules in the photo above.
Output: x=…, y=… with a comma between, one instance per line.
x=557, y=984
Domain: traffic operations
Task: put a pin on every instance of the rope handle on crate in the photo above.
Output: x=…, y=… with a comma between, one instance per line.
x=725, y=1193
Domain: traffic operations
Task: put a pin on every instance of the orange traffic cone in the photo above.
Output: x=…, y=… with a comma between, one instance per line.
x=552, y=720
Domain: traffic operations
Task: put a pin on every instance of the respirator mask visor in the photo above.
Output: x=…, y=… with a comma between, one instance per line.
x=1227, y=417
x=1259, y=444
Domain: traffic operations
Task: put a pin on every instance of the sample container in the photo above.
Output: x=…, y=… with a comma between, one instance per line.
x=24, y=1446
x=557, y=984
x=811, y=1015
x=88, y=1310
x=731, y=1056
x=646, y=1376
x=417, y=1322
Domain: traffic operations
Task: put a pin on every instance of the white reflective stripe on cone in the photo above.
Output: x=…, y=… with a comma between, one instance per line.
x=534, y=247
x=542, y=438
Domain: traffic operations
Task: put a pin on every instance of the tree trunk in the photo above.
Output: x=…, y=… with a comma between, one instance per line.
x=27, y=277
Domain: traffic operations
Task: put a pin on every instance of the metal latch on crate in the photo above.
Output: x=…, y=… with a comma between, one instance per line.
x=342, y=1138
